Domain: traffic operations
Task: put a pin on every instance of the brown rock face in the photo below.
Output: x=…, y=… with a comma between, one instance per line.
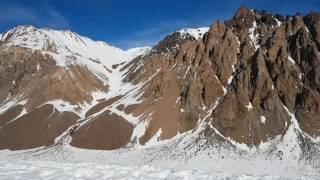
x=17, y=65
x=10, y=114
x=270, y=78
x=106, y=131
x=35, y=129
x=35, y=75
x=247, y=71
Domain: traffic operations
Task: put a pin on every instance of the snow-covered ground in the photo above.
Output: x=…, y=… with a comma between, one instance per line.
x=41, y=169
x=93, y=170
x=170, y=160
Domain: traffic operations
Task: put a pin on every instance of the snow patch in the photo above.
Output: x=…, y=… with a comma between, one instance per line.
x=249, y=106
x=230, y=79
x=177, y=101
x=38, y=66
x=195, y=32
x=155, y=139
x=63, y=106
x=23, y=112
x=224, y=90
x=290, y=145
x=278, y=22
x=9, y=103
x=187, y=71
x=291, y=60
x=306, y=29
x=238, y=47
x=254, y=36
x=263, y=119
x=138, y=131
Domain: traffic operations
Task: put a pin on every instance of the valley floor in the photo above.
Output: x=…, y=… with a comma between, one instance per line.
x=151, y=163
x=94, y=170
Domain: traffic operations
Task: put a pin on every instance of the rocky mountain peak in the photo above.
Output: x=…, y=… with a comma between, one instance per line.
x=246, y=70
x=244, y=14
x=171, y=43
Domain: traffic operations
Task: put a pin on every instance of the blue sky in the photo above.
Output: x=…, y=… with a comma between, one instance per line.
x=132, y=23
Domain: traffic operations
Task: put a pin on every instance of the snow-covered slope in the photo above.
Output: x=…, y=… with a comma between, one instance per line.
x=69, y=48
x=134, y=52
x=65, y=46
x=195, y=32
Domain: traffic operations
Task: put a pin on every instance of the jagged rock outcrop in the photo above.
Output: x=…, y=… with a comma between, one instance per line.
x=248, y=73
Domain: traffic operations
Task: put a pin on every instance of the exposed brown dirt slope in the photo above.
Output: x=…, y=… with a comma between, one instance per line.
x=106, y=131
x=36, y=128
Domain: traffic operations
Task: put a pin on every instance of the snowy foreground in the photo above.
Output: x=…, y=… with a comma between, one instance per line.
x=74, y=163
x=94, y=170
x=32, y=170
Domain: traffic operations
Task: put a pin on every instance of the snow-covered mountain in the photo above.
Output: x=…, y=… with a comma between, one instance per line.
x=246, y=88
x=67, y=47
x=58, y=71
